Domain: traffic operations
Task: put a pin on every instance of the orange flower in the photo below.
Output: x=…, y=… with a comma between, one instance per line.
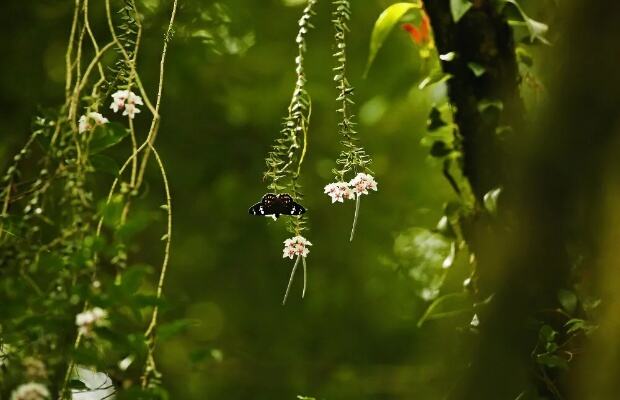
x=422, y=33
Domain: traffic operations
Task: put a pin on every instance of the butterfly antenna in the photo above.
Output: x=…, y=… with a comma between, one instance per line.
x=290, y=280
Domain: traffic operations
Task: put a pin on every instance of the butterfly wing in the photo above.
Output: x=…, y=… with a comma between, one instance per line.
x=267, y=206
x=276, y=205
x=289, y=207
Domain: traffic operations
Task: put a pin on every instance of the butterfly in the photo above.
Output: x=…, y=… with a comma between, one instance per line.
x=272, y=205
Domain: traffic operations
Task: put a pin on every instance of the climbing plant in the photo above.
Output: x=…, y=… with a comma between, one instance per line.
x=90, y=318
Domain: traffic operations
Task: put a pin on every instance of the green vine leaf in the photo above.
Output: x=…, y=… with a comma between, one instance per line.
x=384, y=25
x=458, y=8
x=536, y=29
x=477, y=69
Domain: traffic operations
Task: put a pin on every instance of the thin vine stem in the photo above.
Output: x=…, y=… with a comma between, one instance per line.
x=303, y=292
x=152, y=135
x=68, y=54
x=168, y=238
x=357, y=211
x=290, y=279
x=126, y=57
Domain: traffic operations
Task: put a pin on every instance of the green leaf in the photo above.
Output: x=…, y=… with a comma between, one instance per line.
x=448, y=56
x=105, y=164
x=458, y=8
x=421, y=253
x=576, y=324
x=547, y=334
x=107, y=135
x=447, y=306
x=490, y=200
x=568, y=300
x=384, y=25
x=536, y=29
x=477, y=69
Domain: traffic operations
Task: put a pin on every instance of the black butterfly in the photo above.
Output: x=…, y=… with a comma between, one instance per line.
x=276, y=205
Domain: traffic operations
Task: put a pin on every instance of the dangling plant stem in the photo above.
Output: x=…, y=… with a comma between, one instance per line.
x=303, y=292
x=357, y=211
x=284, y=161
x=290, y=280
x=352, y=158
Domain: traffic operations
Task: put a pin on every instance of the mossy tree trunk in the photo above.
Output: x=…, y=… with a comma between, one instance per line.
x=553, y=181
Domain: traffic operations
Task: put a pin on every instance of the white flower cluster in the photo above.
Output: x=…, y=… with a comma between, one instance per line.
x=89, y=319
x=90, y=120
x=127, y=101
x=341, y=191
x=296, y=246
x=31, y=391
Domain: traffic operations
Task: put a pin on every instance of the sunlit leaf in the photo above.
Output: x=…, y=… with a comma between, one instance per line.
x=448, y=56
x=490, y=200
x=95, y=385
x=421, y=253
x=458, y=8
x=384, y=25
x=536, y=29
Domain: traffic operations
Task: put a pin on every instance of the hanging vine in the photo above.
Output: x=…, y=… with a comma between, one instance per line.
x=284, y=161
x=69, y=248
x=353, y=160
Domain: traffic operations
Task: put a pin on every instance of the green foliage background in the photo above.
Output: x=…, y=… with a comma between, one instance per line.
x=228, y=83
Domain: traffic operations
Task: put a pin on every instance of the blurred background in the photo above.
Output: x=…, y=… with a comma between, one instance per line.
x=229, y=77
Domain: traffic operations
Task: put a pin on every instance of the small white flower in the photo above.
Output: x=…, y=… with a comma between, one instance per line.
x=339, y=191
x=99, y=313
x=131, y=110
x=89, y=319
x=31, y=391
x=85, y=122
x=362, y=183
x=296, y=246
x=119, y=98
x=475, y=321
x=83, y=125
x=127, y=101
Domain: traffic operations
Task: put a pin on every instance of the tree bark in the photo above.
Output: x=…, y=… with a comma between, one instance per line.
x=553, y=185
x=482, y=37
